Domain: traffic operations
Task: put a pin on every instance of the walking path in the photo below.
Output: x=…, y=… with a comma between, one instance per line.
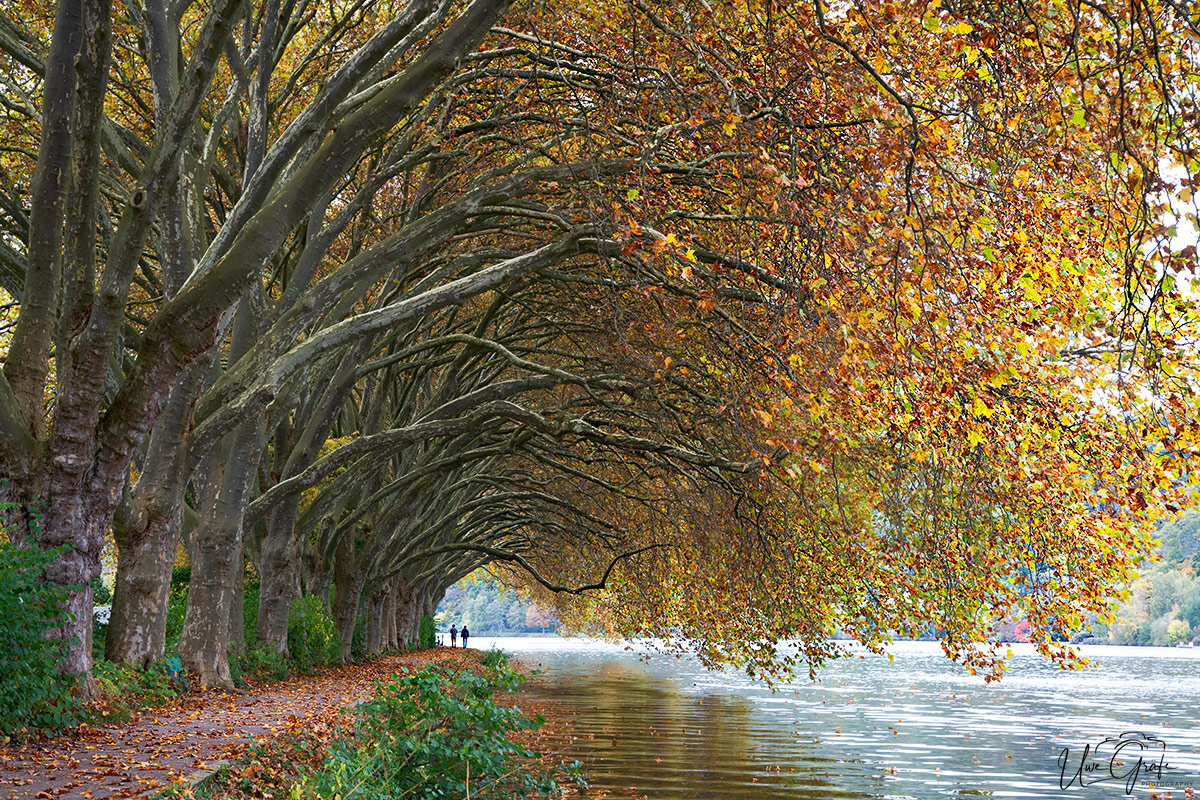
x=195, y=733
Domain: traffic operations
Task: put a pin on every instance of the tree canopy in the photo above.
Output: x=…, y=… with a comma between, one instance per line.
x=734, y=322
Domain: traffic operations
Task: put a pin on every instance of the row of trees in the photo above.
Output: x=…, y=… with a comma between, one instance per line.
x=770, y=318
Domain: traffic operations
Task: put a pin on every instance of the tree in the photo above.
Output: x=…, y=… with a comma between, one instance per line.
x=536, y=619
x=109, y=384
x=941, y=454
x=768, y=318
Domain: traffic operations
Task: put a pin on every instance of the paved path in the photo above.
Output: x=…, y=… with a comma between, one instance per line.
x=194, y=733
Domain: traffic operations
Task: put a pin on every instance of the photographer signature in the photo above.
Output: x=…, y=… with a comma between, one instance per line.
x=1133, y=755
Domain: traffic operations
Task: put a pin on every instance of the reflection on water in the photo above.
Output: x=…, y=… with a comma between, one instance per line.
x=916, y=728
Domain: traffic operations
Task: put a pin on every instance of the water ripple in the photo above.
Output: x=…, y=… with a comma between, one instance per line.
x=917, y=728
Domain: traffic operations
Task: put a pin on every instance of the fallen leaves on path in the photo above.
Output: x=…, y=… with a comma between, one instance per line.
x=170, y=743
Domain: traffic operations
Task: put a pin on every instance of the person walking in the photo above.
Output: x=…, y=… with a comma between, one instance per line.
x=454, y=636
x=465, y=634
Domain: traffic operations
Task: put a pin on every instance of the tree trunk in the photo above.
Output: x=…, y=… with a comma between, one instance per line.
x=391, y=641
x=280, y=578
x=237, y=614
x=148, y=533
x=322, y=585
x=407, y=617
x=428, y=607
x=283, y=552
x=76, y=523
x=387, y=620
x=204, y=644
x=377, y=615
x=348, y=581
x=137, y=628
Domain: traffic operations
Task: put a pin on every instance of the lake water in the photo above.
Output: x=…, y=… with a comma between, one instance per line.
x=920, y=727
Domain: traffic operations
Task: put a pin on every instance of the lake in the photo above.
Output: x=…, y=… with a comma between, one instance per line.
x=663, y=728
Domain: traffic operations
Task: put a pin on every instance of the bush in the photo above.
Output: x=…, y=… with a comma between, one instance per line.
x=312, y=637
x=99, y=640
x=125, y=689
x=250, y=595
x=181, y=576
x=494, y=659
x=101, y=594
x=1178, y=631
x=257, y=660
x=176, y=612
x=426, y=732
x=427, y=633
x=34, y=695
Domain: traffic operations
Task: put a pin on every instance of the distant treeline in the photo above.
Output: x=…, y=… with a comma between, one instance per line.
x=1163, y=608
x=491, y=609
x=1164, y=603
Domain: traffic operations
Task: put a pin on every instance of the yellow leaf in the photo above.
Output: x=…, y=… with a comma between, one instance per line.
x=762, y=416
x=974, y=437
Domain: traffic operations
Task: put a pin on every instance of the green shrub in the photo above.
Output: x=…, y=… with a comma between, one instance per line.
x=125, y=689
x=425, y=732
x=101, y=594
x=181, y=576
x=257, y=660
x=250, y=595
x=427, y=633
x=494, y=659
x=312, y=637
x=34, y=695
x=176, y=611
x=99, y=637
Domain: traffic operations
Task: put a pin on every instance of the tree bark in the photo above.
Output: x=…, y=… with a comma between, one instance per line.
x=27, y=363
x=280, y=580
x=237, y=615
x=408, y=614
x=348, y=581
x=377, y=636
x=147, y=535
x=390, y=641
x=204, y=645
x=138, y=623
x=282, y=546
